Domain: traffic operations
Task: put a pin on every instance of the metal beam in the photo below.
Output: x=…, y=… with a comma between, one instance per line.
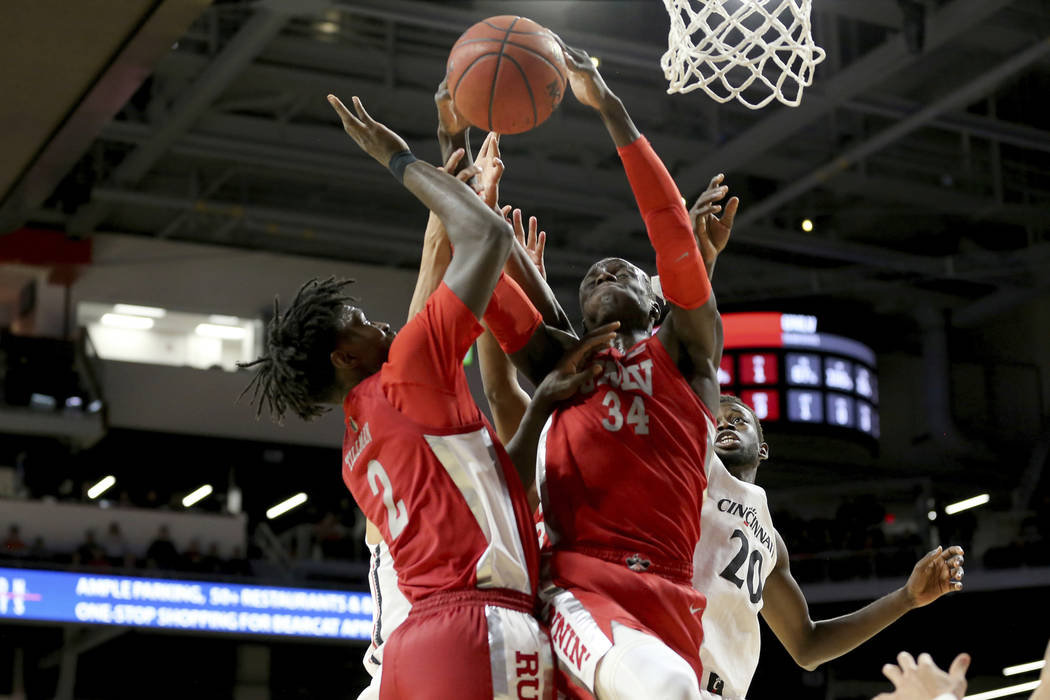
x=264, y=24
x=969, y=92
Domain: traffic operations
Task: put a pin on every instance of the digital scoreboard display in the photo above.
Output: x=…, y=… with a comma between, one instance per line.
x=185, y=605
x=788, y=372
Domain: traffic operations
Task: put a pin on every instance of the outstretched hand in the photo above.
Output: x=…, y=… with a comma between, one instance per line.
x=450, y=120
x=923, y=680
x=491, y=169
x=534, y=243
x=711, y=232
x=374, y=138
x=575, y=366
x=584, y=79
x=937, y=573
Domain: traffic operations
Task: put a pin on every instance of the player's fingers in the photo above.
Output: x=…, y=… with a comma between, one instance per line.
x=906, y=661
x=925, y=660
x=453, y=160
x=953, y=551
x=345, y=116
x=730, y=212
x=959, y=666
x=505, y=210
x=893, y=673
x=534, y=225
x=711, y=195
x=716, y=180
x=541, y=243
x=519, y=229
x=363, y=115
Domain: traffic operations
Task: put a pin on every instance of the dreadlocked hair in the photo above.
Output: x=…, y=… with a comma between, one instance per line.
x=295, y=371
x=739, y=403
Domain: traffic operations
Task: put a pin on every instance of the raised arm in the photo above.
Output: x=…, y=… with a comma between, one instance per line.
x=480, y=236
x=812, y=643
x=692, y=332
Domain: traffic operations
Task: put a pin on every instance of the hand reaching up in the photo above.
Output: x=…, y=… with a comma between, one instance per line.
x=373, y=138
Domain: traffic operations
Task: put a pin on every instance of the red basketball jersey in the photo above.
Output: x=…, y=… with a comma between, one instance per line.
x=425, y=466
x=622, y=465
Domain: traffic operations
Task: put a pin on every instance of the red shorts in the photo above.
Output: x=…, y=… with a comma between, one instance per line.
x=591, y=591
x=469, y=645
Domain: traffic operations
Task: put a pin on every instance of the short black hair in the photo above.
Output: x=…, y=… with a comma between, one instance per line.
x=295, y=371
x=739, y=403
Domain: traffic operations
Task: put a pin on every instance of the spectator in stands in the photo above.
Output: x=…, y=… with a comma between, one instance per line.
x=162, y=553
x=14, y=546
x=237, y=564
x=40, y=552
x=192, y=557
x=212, y=561
x=331, y=537
x=113, y=545
x=89, y=553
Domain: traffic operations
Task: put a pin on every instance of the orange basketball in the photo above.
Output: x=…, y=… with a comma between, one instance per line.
x=506, y=74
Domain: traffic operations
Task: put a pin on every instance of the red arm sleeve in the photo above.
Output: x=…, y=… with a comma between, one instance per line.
x=678, y=262
x=423, y=375
x=511, y=316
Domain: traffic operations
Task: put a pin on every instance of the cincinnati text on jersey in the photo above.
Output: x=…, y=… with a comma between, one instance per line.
x=750, y=516
x=364, y=438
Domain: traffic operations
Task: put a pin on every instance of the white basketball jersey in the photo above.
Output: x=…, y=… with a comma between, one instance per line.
x=390, y=607
x=736, y=552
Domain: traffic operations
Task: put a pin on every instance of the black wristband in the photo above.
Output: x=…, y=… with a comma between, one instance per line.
x=398, y=162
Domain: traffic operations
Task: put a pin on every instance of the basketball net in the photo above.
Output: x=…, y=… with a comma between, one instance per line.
x=725, y=47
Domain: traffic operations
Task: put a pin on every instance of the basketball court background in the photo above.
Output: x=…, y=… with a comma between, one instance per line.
x=188, y=152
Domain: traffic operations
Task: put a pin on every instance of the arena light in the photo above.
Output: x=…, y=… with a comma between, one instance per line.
x=1003, y=692
x=954, y=508
x=224, y=320
x=807, y=225
x=932, y=515
x=211, y=330
x=102, y=486
x=285, y=506
x=196, y=496
x=123, y=321
x=134, y=310
x=1024, y=668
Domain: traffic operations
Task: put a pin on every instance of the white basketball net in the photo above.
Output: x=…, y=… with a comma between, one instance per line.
x=725, y=47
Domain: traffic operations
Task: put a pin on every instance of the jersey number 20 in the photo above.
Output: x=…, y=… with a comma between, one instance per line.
x=754, y=568
x=396, y=513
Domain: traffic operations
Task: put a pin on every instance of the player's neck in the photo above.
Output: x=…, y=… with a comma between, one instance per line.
x=627, y=338
x=744, y=472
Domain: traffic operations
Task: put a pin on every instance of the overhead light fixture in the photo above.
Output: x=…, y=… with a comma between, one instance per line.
x=1024, y=668
x=954, y=508
x=327, y=27
x=932, y=515
x=596, y=61
x=285, y=506
x=224, y=320
x=211, y=330
x=807, y=225
x=132, y=309
x=197, y=495
x=122, y=321
x=102, y=486
x=1003, y=692
x=95, y=406
x=74, y=402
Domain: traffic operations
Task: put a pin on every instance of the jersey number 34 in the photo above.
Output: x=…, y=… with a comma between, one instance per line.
x=636, y=417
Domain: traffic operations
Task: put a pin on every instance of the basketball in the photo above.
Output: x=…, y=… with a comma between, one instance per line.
x=506, y=74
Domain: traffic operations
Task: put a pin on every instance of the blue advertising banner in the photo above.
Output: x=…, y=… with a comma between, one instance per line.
x=200, y=606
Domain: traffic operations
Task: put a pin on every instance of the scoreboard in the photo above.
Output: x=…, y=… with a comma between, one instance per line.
x=788, y=372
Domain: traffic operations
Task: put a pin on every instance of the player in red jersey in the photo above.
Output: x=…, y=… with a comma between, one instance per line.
x=420, y=460
x=621, y=466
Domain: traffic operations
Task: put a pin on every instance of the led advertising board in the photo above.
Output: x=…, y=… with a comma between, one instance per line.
x=787, y=371
x=185, y=605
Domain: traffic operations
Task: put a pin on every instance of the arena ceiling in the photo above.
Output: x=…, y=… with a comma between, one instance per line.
x=926, y=170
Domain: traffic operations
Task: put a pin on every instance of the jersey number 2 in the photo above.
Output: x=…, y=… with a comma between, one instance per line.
x=754, y=568
x=396, y=513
